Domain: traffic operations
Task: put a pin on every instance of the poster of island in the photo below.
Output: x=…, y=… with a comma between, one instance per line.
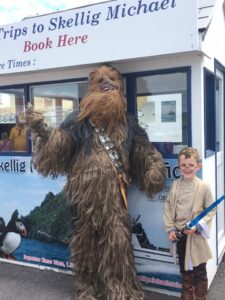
x=34, y=222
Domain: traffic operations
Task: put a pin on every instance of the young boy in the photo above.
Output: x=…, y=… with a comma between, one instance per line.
x=188, y=197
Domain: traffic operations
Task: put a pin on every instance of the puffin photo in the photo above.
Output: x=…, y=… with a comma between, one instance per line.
x=10, y=235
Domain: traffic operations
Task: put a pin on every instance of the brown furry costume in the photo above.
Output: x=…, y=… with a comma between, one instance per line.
x=101, y=246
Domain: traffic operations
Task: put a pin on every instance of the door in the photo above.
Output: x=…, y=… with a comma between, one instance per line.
x=220, y=158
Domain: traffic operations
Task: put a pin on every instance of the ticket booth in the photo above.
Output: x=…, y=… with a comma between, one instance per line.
x=171, y=54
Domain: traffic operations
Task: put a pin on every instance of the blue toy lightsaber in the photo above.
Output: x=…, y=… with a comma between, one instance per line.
x=200, y=216
x=205, y=212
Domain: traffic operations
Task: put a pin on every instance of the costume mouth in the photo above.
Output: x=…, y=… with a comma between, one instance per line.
x=108, y=87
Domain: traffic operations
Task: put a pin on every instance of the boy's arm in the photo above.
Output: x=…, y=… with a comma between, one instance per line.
x=167, y=214
x=208, y=200
x=203, y=226
x=168, y=220
x=205, y=223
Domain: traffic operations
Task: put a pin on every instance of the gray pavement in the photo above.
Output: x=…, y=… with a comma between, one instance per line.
x=27, y=283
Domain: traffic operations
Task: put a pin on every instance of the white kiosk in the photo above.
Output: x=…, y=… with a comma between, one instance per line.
x=171, y=54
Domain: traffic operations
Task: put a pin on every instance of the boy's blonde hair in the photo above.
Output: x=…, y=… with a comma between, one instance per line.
x=189, y=152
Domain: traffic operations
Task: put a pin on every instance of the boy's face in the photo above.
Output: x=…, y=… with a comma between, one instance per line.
x=188, y=167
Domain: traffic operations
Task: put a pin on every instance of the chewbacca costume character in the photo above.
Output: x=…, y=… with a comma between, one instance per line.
x=100, y=149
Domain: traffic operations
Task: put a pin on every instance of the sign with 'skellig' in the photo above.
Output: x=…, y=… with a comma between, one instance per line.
x=106, y=32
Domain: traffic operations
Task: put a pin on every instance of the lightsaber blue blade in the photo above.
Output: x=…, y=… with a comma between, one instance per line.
x=205, y=212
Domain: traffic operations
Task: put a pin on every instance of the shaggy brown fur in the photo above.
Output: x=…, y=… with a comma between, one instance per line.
x=104, y=109
x=101, y=248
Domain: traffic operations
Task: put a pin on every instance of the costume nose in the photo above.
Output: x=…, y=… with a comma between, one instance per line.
x=109, y=84
x=106, y=79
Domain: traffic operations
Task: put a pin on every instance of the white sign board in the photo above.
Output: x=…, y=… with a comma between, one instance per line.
x=105, y=32
x=161, y=116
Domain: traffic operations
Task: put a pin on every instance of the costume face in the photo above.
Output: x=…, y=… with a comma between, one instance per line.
x=105, y=79
x=104, y=103
x=188, y=167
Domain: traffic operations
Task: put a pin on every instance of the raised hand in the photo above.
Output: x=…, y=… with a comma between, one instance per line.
x=33, y=117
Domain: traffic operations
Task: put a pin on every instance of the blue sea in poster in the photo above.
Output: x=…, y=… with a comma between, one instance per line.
x=45, y=254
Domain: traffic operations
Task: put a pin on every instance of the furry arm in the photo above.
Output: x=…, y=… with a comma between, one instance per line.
x=148, y=168
x=52, y=147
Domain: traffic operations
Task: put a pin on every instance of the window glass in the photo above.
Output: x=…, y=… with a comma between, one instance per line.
x=162, y=110
x=209, y=113
x=13, y=131
x=219, y=115
x=57, y=100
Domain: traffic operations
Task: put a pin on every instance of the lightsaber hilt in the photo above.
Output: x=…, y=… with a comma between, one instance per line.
x=180, y=233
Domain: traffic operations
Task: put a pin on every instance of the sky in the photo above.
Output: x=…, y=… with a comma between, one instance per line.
x=24, y=191
x=12, y=11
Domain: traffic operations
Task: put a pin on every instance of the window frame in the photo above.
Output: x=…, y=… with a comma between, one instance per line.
x=26, y=88
x=132, y=94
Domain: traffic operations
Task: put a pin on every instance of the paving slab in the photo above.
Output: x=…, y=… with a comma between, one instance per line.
x=19, y=282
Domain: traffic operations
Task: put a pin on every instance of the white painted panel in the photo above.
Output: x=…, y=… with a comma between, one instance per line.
x=110, y=31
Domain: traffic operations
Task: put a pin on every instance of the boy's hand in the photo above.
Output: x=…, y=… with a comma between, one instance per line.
x=172, y=235
x=190, y=231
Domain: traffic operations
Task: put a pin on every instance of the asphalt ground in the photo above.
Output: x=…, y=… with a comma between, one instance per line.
x=28, y=283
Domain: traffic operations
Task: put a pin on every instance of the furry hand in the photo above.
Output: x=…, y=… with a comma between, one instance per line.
x=36, y=121
x=33, y=117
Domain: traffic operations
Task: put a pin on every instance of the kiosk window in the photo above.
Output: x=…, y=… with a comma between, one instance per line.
x=13, y=132
x=57, y=100
x=209, y=98
x=162, y=110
